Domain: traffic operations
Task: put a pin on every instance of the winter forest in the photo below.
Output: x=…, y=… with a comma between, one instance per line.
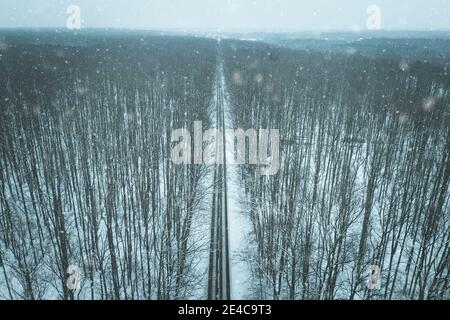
x=93, y=207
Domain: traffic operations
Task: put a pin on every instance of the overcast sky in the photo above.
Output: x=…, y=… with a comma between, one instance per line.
x=229, y=14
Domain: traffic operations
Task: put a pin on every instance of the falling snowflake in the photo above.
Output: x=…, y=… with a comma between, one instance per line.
x=259, y=78
x=429, y=103
x=403, y=118
x=351, y=51
x=404, y=66
x=237, y=78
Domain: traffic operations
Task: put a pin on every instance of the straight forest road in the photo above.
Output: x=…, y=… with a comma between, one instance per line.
x=219, y=260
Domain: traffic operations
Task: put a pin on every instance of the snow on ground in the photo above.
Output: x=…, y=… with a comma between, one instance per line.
x=239, y=226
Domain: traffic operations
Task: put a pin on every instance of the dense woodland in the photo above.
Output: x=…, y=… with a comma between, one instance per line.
x=364, y=178
x=86, y=176
x=85, y=173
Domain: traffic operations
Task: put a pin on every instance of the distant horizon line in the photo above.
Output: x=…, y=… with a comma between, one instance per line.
x=224, y=30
